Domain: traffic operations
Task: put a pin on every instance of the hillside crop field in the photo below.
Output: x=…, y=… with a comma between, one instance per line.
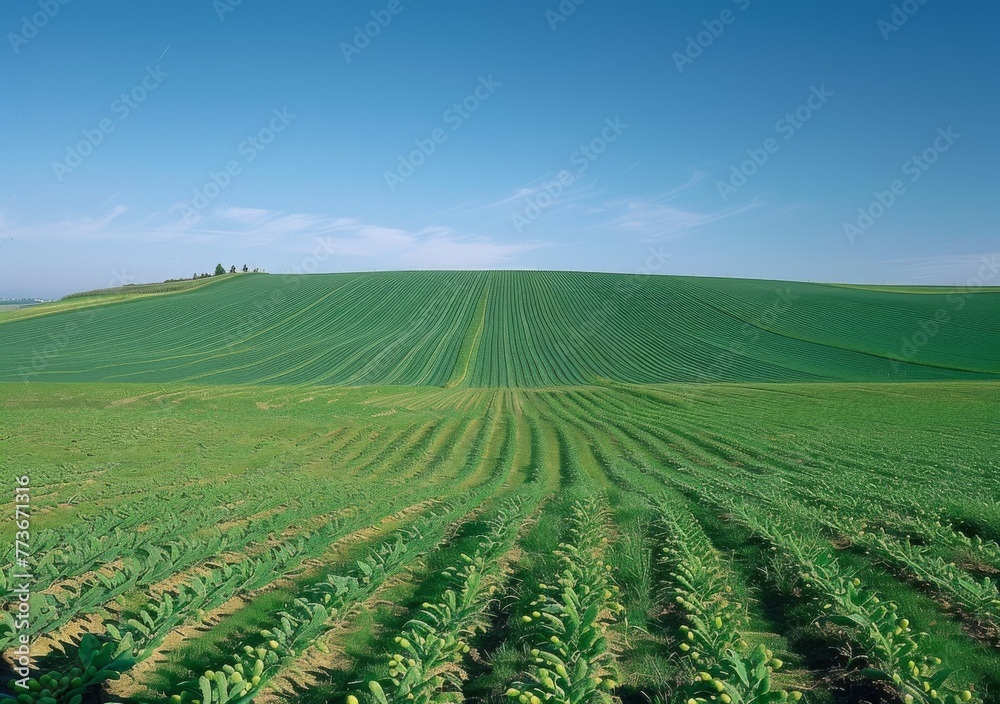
x=508, y=329
x=521, y=487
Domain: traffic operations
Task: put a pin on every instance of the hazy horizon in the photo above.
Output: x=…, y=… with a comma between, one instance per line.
x=976, y=281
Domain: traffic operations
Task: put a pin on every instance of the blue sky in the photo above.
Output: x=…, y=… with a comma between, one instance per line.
x=150, y=140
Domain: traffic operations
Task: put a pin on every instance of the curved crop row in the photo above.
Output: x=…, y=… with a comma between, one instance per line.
x=297, y=628
x=713, y=637
x=427, y=669
x=571, y=660
x=979, y=599
x=893, y=651
x=504, y=328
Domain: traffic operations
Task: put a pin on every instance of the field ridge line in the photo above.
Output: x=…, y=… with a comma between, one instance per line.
x=470, y=346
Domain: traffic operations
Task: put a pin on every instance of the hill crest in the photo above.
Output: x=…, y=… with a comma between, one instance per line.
x=510, y=328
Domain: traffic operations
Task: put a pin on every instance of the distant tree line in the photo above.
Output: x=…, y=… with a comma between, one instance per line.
x=219, y=270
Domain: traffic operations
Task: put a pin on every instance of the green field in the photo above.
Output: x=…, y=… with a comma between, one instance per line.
x=176, y=286
x=508, y=487
x=88, y=299
x=510, y=329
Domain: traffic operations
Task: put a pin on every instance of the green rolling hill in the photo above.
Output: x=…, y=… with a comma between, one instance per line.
x=509, y=329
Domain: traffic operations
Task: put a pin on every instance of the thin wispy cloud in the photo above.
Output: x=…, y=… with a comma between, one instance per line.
x=661, y=217
x=71, y=228
x=564, y=197
x=658, y=220
x=515, y=197
x=647, y=219
x=696, y=178
x=349, y=239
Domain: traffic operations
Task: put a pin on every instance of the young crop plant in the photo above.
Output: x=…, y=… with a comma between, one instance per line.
x=893, y=651
x=307, y=618
x=149, y=564
x=428, y=667
x=975, y=547
x=571, y=661
x=979, y=599
x=95, y=663
x=914, y=520
x=312, y=613
x=712, y=638
x=136, y=638
x=157, y=551
x=146, y=631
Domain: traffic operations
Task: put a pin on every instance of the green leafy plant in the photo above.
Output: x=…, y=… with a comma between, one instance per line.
x=891, y=647
x=95, y=663
x=712, y=639
x=571, y=661
x=427, y=668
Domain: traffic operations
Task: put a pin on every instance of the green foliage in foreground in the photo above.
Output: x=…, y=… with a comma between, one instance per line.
x=666, y=543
